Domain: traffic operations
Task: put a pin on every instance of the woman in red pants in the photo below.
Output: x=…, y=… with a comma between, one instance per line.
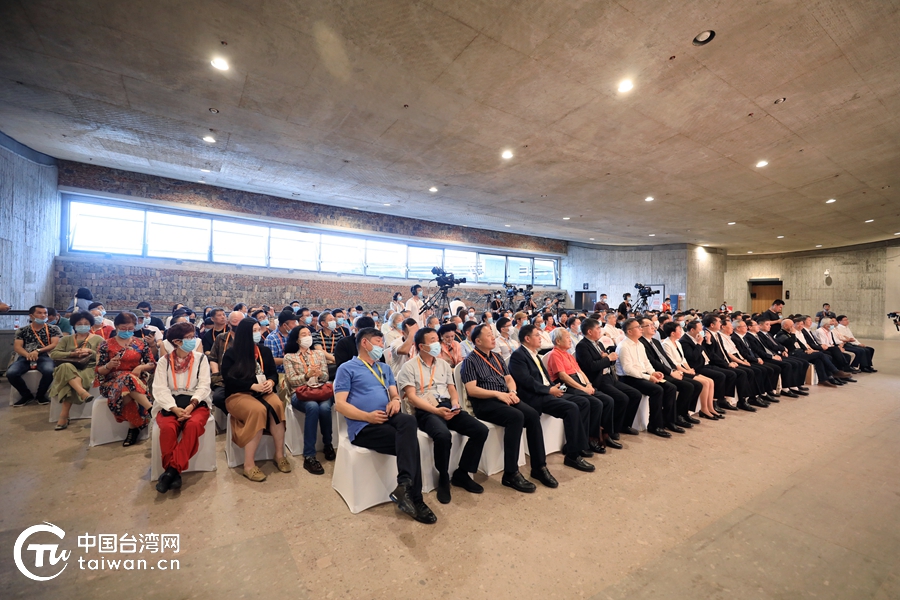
x=182, y=399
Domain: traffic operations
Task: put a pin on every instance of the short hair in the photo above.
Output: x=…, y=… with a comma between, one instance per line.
x=146, y=305
x=628, y=322
x=668, y=329
x=125, y=317
x=81, y=316
x=420, y=335
x=322, y=316
x=589, y=324
x=365, y=334
x=825, y=322
x=709, y=319
x=470, y=324
x=840, y=318
x=94, y=305
x=778, y=302
x=476, y=332
x=413, y=288
x=256, y=312
x=409, y=323
x=214, y=311
x=526, y=331
x=558, y=333
x=520, y=315
x=448, y=328
x=364, y=323
x=693, y=324
x=36, y=307
x=502, y=322
x=826, y=304
x=737, y=322
x=178, y=331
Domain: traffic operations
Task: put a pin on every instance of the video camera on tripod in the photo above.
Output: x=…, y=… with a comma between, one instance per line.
x=895, y=317
x=644, y=291
x=444, y=279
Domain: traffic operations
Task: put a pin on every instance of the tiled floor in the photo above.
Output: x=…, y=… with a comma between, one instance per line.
x=798, y=500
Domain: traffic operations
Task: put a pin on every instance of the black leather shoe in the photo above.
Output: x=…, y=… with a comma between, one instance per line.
x=835, y=381
x=611, y=443
x=586, y=454
x=43, y=400
x=577, y=463
x=789, y=394
x=800, y=392
x=847, y=379
x=756, y=402
x=176, y=481
x=23, y=401
x=313, y=466
x=703, y=415
x=400, y=496
x=164, y=482
x=464, y=480
x=518, y=482
x=660, y=432
x=682, y=422
x=725, y=404
x=543, y=475
x=803, y=388
x=770, y=398
x=630, y=431
x=691, y=419
x=424, y=514
x=329, y=452
x=614, y=436
x=718, y=411
x=443, y=489
x=674, y=428
x=742, y=404
x=598, y=448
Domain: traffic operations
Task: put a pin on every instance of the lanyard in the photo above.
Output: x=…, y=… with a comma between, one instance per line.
x=227, y=339
x=422, y=376
x=331, y=351
x=46, y=332
x=259, y=359
x=190, y=370
x=381, y=378
x=84, y=343
x=490, y=363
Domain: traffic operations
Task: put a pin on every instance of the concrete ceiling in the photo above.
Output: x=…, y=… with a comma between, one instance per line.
x=369, y=102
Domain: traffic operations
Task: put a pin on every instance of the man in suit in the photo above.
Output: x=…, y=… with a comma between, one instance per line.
x=635, y=370
x=598, y=365
x=688, y=389
x=801, y=363
x=724, y=379
x=791, y=373
x=740, y=338
x=837, y=357
x=714, y=347
x=824, y=369
x=761, y=379
x=534, y=387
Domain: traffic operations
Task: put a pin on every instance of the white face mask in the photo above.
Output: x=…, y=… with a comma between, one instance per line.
x=306, y=342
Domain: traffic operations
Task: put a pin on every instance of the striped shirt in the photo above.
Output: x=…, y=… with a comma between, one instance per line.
x=327, y=342
x=475, y=368
x=275, y=343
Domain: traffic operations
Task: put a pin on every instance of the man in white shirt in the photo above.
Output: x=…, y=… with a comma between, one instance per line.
x=610, y=330
x=851, y=344
x=546, y=341
x=414, y=305
x=635, y=370
x=455, y=305
x=403, y=348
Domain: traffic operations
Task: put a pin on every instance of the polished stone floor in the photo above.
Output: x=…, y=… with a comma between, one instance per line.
x=801, y=500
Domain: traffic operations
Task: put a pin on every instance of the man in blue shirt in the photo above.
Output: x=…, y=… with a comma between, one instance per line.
x=275, y=341
x=365, y=392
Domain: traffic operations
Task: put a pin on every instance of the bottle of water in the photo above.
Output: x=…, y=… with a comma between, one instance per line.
x=16, y=325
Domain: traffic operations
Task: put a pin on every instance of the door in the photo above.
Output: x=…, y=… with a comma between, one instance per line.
x=763, y=294
x=585, y=300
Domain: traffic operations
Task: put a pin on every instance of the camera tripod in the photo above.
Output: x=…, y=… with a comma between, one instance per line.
x=438, y=301
x=641, y=305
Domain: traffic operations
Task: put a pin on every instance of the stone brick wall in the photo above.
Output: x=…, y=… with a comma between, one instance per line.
x=199, y=195
x=121, y=285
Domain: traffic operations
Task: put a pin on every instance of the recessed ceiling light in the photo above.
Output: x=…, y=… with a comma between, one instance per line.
x=625, y=85
x=818, y=245
x=220, y=63
x=648, y=199
x=831, y=201
x=870, y=220
x=592, y=239
x=761, y=164
x=706, y=245
x=506, y=225
x=387, y=203
x=780, y=100
x=898, y=233
x=704, y=37
x=780, y=237
x=732, y=223
x=566, y=218
x=209, y=139
x=507, y=154
x=355, y=207
x=432, y=189
x=205, y=170
x=214, y=111
x=652, y=235
x=749, y=251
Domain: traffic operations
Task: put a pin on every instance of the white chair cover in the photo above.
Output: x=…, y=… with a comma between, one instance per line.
x=234, y=455
x=204, y=460
x=104, y=429
x=32, y=379
x=76, y=411
x=362, y=477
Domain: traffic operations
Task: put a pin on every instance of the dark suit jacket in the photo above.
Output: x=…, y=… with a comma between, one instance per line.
x=693, y=352
x=715, y=353
x=758, y=347
x=811, y=340
x=590, y=360
x=770, y=342
x=789, y=341
x=345, y=350
x=744, y=349
x=529, y=383
x=664, y=366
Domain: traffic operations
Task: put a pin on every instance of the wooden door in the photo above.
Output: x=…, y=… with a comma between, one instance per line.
x=762, y=295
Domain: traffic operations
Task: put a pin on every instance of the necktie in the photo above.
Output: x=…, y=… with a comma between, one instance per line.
x=540, y=368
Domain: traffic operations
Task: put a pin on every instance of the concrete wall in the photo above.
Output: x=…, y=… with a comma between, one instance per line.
x=705, y=277
x=29, y=230
x=856, y=286
x=891, y=290
x=614, y=270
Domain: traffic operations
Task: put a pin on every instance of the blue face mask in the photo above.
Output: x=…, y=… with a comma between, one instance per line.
x=307, y=320
x=353, y=315
x=332, y=325
x=189, y=345
x=102, y=313
x=489, y=320
x=459, y=326
x=139, y=325
x=257, y=337
x=82, y=329
x=375, y=318
x=543, y=326
x=434, y=349
x=39, y=321
x=376, y=352
x=297, y=309
x=420, y=294
x=125, y=335
x=526, y=322
x=264, y=322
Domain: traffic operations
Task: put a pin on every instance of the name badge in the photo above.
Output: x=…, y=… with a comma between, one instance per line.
x=260, y=378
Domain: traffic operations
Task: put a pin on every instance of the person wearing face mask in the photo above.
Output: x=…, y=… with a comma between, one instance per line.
x=263, y=319
x=467, y=345
x=251, y=386
x=181, y=402
x=346, y=347
x=306, y=374
x=365, y=393
x=375, y=317
x=457, y=322
x=326, y=338
x=506, y=343
x=574, y=328
x=343, y=326
x=519, y=320
x=73, y=378
x=403, y=348
x=53, y=318
x=430, y=393
x=124, y=365
x=393, y=328
x=34, y=344
x=397, y=304
x=433, y=322
x=100, y=327
x=601, y=304
x=487, y=317
x=147, y=309
x=96, y=309
x=546, y=341
x=450, y=349
x=414, y=305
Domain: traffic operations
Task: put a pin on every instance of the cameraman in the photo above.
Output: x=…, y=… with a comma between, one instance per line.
x=625, y=307
x=497, y=302
x=414, y=305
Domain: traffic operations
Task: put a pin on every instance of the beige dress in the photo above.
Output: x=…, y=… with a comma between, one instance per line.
x=65, y=372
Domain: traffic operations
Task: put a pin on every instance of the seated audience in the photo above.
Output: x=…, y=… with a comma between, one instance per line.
x=843, y=333
x=635, y=370
x=541, y=326
x=124, y=365
x=714, y=344
x=832, y=355
x=76, y=358
x=825, y=370
x=793, y=370
x=671, y=333
x=147, y=309
x=34, y=344
x=251, y=384
x=450, y=349
x=403, y=348
x=54, y=318
x=181, y=403
x=506, y=343
x=287, y=321
x=219, y=325
x=610, y=329
x=688, y=389
x=467, y=346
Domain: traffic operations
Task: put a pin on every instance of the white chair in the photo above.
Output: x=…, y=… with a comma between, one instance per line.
x=76, y=411
x=293, y=435
x=104, y=429
x=234, y=455
x=204, y=460
x=363, y=478
x=554, y=435
x=221, y=418
x=32, y=379
x=812, y=378
x=642, y=418
x=426, y=456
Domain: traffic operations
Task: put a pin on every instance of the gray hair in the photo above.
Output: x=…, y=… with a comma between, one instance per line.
x=825, y=322
x=737, y=322
x=556, y=334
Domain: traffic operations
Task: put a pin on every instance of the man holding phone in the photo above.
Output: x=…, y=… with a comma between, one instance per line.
x=426, y=382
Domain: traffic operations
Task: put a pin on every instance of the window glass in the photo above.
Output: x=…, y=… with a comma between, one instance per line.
x=343, y=254
x=177, y=236
x=491, y=268
x=422, y=260
x=240, y=243
x=518, y=270
x=102, y=228
x=461, y=264
x=293, y=249
x=385, y=259
x=545, y=272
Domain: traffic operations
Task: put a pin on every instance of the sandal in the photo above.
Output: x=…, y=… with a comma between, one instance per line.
x=61, y=427
x=132, y=437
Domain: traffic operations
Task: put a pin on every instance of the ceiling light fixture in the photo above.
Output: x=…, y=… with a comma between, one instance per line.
x=818, y=245
x=652, y=235
x=732, y=223
x=220, y=63
x=205, y=170
x=214, y=111
x=209, y=139
x=749, y=251
x=648, y=199
x=566, y=218
x=706, y=245
x=870, y=220
x=387, y=203
x=704, y=37
x=592, y=239
x=780, y=237
x=506, y=225
x=831, y=201
x=761, y=164
x=780, y=100
x=506, y=155
x=432, y=189
x=625, y=85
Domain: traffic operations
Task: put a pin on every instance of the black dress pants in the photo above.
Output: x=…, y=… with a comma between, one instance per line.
x=655, y=393
x=626, y=398
x=438, y=429
x=688, y=393
x=799, y=368
x=575, y=412
x=723, y=380
x=397, y=436
x=603, y=410
x=513, y=418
